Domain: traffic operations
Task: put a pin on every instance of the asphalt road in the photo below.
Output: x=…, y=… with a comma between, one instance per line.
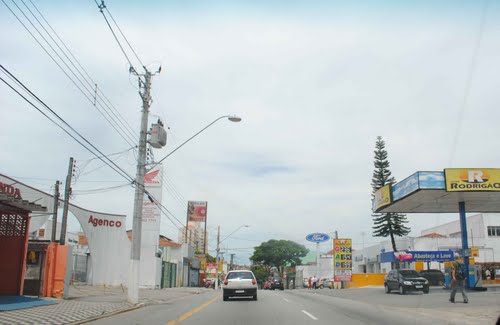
x=356, y=306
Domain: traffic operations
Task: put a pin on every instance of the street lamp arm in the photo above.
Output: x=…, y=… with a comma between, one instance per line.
x=233, y=232
x=193, y=136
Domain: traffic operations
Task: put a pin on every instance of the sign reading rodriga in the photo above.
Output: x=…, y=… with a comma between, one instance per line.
x=472, y=179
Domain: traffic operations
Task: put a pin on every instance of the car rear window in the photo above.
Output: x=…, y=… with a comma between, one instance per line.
x=408, y=273
x=240, y=275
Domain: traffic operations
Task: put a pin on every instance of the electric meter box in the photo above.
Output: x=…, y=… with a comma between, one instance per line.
x=158, y=137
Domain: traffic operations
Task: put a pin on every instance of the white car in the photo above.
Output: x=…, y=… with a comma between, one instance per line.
x=239, y=283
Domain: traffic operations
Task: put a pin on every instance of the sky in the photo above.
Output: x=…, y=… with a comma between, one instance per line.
x=314, y=82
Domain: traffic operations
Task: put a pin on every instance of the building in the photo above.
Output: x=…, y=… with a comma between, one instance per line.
x=196, y=235
x=483, y=234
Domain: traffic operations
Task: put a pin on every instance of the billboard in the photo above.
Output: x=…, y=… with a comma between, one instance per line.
x=472, y=179
x=382, y=197
x=197, y=211
x=342, y=250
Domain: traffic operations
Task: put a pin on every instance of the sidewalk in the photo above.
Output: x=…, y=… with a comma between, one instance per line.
x=86, y=303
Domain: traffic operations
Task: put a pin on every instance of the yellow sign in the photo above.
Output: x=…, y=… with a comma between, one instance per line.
x=474, y=251
x=342, y=251
x=382, y=197
x=472, y=179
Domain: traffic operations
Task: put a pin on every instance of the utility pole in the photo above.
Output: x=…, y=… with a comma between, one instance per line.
x=217, y=260
x=232, y=259
x=54, y=217
x=135, y=251
x=67, y=193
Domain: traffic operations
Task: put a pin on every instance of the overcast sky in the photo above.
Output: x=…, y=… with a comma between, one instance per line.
x=315, y=83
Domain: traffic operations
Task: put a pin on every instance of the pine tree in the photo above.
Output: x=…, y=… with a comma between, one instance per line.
x=386, y=224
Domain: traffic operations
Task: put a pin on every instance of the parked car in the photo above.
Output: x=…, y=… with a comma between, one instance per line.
x=305, y=282
x=404, y=281
x=323, y=283
x=435, y=277
x=239, y=283
x=277, y=283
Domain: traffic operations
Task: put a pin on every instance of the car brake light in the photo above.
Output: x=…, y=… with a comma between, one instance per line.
x=226, y=282
x=253, y=282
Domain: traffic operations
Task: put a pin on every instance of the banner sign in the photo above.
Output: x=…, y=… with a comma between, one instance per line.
x=197, y=211
x=382, y=197
x=472, y=179
x=317, y=237
x=417, y=256
x=342, y=250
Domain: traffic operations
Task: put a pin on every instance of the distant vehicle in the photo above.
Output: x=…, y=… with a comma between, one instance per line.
x=324, y=283
x=277, y=283
x=435, y=277
x=305, y=282
x=239, y=283
x=267, y=285
x=404, y=281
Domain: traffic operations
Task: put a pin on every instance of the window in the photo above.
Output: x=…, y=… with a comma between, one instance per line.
x=494, y=231
x=240, y=275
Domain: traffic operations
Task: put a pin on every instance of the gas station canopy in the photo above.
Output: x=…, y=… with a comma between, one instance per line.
x=441, y=192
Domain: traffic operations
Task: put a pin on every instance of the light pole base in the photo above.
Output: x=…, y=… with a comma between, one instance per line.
x=133, y=282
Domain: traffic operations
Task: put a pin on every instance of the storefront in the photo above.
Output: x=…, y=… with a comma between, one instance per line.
x=14, y=225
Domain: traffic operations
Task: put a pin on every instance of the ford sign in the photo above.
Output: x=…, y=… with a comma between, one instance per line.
x=317, y=237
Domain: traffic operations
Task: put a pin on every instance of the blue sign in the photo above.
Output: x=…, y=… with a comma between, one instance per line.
x=417, y=256
x=317, y=237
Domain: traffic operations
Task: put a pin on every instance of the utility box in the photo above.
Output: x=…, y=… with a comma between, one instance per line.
x=158, y=138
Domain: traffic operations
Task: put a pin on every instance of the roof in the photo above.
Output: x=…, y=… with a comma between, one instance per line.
x=9, y=202
x=425, y=192
x=433, y=235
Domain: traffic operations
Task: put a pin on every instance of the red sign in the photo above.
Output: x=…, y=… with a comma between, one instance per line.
x=104, y=222
x=10, y=190
x=197, y=211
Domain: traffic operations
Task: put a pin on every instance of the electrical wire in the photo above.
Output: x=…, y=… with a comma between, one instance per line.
x=100, y=190
x=105, y=112
x=101, y=7
x=115, y=167
x=468, y=81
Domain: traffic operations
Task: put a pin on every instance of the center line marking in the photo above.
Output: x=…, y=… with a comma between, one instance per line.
x=310, y=315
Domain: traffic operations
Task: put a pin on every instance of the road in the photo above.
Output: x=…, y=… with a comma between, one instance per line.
x=355, y=306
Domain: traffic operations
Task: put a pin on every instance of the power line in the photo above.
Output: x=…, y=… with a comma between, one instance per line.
x=87, y=93
x=103, y=6
x=115, y=167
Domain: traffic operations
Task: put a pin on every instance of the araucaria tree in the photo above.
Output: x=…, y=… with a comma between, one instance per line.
x=386, y=224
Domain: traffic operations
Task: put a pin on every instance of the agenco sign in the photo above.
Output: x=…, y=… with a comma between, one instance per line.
x=317, y=237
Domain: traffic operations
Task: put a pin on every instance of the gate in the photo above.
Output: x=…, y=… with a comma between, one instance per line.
x=169, y=275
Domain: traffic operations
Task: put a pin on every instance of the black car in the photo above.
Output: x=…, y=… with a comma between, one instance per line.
x=435, y=277
x=277, y=283
x=404, y=281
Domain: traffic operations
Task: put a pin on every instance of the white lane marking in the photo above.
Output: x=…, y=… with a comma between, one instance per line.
x=286, y=300
x=310, y=315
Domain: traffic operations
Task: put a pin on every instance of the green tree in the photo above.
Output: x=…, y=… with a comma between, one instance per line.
x=278, y=253
x=386, y=224
x=261, y=272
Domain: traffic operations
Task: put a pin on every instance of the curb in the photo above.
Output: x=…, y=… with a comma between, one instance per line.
x=121, y=311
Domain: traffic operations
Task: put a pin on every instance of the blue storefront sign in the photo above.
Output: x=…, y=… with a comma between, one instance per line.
x=417, y=256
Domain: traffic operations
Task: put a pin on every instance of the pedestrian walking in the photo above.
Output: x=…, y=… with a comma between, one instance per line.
x=309, y=283
x=457, y=282
x=314, y=282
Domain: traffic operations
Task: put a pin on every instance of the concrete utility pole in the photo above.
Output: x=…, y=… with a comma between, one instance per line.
x=232, y=259
x=135, y=251
x=67, y=193
x=217, y=260
x=54, y=217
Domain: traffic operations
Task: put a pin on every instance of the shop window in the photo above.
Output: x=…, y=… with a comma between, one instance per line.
x=493, y=231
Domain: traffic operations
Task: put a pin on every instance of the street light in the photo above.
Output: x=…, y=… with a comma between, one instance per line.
x=218, y=250
x=232, y=118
